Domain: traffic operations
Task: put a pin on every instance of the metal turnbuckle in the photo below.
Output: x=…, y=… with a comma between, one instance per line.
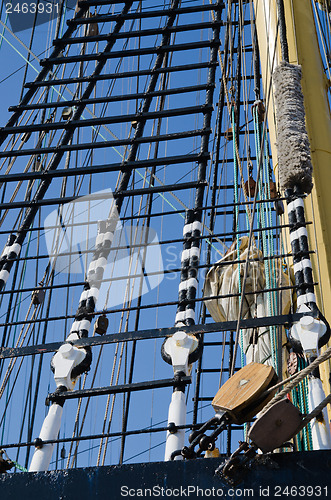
x=204, y=442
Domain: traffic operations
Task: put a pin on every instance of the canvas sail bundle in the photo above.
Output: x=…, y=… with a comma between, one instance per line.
x=224, y=279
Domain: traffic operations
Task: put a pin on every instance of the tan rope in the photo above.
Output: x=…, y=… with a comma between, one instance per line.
x=228, y=102
x=298, y=378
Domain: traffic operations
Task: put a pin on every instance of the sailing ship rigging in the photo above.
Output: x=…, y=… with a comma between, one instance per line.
x=149, y=219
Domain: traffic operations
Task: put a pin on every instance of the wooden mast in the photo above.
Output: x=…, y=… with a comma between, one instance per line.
x=304, y=50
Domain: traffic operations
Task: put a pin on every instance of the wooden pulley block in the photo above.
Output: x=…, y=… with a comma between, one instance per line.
x=273, y=190
x=93, y=28
x=38, y=296
x=228, y=134
x=259, y=106
x=279, y=207
x=101, y=324
x=235, y=111
x=67, y=113
x=37, y=163
x=250, y=186
x=242, y=396
x=276, y=426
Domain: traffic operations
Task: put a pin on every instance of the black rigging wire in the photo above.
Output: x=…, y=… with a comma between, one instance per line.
x=282, y=30
x=219, y=124
x=148, y=219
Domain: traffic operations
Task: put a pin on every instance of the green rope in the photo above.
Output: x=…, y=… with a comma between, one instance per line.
x=305, y=410
x=270, y=252
x=308, y=427
x=300, y=400
x=296, y=403
x=20, y=467
x=300, y=436
x=302, y=410
x=267, y=249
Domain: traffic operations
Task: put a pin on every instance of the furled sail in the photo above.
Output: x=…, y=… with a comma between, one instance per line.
x=224, y=280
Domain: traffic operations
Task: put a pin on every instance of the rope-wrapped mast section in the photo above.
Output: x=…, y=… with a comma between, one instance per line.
x=295, y=175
